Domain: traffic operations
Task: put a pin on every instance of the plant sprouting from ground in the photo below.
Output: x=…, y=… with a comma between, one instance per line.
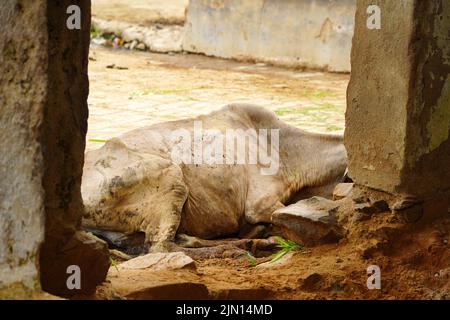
x=97, y=140
x=285, y=246
x=251, y=259
x=113, y=263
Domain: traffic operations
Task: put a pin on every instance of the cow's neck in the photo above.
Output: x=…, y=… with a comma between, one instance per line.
x=311, y=159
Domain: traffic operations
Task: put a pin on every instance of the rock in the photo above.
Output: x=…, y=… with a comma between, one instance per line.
x=141, y=46
x=342, y=190
x=87, y=252
x=168, y=291
x=360, y=199
x=133, y=44
x=361, y=216
x=311, y=282
x=286, y=259
x=145, y=284
x=337, y=286
x=309, y=221
x=372, y=208
x=411, y=214
x=365, y=208
x=381, y=206
x=407, y=201
x=409, y=209
x=160, y=261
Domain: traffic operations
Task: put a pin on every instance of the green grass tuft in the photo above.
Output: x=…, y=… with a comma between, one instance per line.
x=97, y=140
x=285, y=246
x=251, y=259
x=114, y=263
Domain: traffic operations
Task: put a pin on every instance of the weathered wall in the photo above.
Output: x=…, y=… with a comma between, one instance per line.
x=43, y=122
x=308, y=33
x=398, y=113
x=23, y=77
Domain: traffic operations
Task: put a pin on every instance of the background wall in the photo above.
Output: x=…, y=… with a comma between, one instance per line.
x=305, y=33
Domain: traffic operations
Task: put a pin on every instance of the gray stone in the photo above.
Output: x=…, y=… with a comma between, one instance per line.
x=309, y=221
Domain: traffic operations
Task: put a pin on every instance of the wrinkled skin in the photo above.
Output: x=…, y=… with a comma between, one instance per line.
x=132, y=184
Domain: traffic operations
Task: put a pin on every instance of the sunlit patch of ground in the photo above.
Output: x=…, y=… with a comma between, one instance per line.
x=130, y=89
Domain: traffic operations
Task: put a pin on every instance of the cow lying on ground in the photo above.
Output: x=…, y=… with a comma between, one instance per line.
x=169, y=179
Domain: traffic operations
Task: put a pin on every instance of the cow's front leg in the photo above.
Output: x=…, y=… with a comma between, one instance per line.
x=264, y=196
x=162, y=222
x=260, y=211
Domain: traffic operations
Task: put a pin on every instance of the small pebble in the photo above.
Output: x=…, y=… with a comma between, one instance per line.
x=141, y=46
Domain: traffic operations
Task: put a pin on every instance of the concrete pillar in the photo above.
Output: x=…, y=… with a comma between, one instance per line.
x=23, y=59
x=43, y=127
x=398, y=113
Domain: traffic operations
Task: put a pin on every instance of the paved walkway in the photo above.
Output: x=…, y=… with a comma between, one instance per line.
x=130, y=89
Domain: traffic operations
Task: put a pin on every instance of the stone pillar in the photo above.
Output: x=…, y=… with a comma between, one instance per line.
x=23, y=78
x=398, y=113
x=43, y=123
x=64, y=137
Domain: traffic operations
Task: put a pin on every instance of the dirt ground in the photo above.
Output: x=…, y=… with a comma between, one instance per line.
x=414, y=260
x=130, y=89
